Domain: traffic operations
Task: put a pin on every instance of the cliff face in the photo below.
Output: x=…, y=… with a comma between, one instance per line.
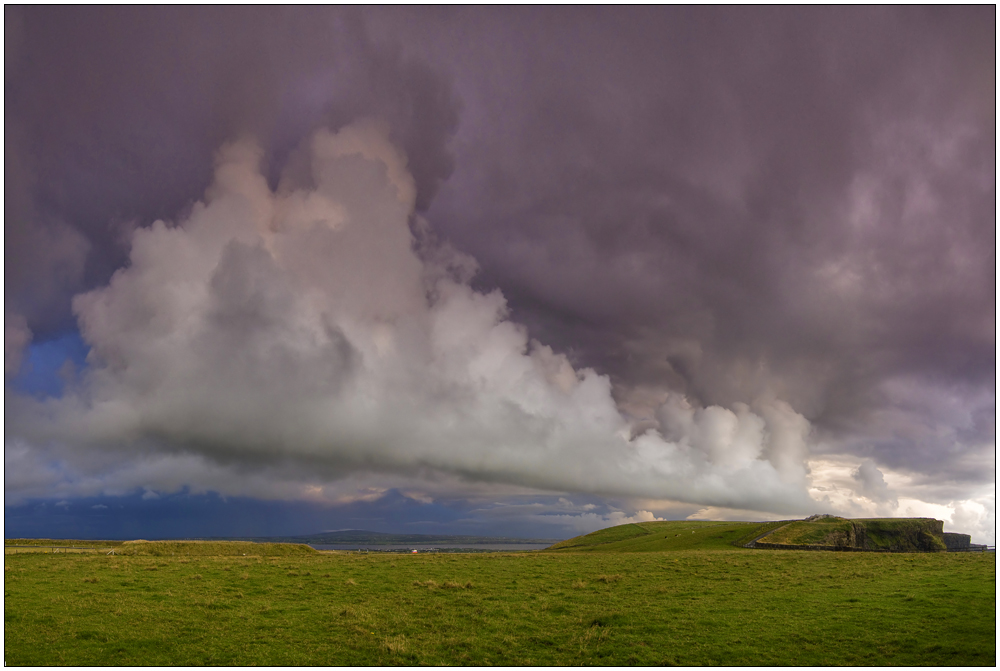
x=957, y=541
x=836, y=533
x=907, y=535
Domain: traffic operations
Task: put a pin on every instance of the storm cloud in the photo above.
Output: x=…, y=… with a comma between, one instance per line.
x=741, y=259
x=301, y=325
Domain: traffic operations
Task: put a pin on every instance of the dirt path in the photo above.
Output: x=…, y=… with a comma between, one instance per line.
x=753, y=543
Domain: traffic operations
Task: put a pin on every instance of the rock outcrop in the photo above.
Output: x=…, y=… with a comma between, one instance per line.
x=957, y=541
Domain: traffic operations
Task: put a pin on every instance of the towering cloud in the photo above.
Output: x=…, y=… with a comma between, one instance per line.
x=309, y=326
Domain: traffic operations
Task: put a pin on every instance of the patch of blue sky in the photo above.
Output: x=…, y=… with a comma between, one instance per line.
x=48, y=365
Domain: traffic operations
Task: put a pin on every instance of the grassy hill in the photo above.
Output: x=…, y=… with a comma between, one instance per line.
x=180, y=548
x=143, y=548
x=893, y=534
x=60, y=542
x=662, y=537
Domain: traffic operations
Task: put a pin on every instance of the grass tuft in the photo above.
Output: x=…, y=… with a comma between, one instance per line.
x=395, y=644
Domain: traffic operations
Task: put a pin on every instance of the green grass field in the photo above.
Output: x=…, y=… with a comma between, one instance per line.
x=698, y=601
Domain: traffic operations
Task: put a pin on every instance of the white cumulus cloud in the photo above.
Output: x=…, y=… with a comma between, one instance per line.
x=308, y=332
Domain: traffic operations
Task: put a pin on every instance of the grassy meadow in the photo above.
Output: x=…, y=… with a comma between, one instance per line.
x=702, y=602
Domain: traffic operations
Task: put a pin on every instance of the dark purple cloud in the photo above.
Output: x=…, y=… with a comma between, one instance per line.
x=694, y=196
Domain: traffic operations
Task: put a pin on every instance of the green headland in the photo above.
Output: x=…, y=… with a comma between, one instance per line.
x=821, y=532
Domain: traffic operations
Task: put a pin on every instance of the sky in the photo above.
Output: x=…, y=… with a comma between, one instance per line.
x=502, y=271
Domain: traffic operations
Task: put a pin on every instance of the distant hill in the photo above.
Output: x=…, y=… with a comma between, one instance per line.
x=661, y=537
x=818, y=533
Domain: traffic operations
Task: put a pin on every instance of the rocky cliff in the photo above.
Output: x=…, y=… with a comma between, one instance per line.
x=837, y=533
